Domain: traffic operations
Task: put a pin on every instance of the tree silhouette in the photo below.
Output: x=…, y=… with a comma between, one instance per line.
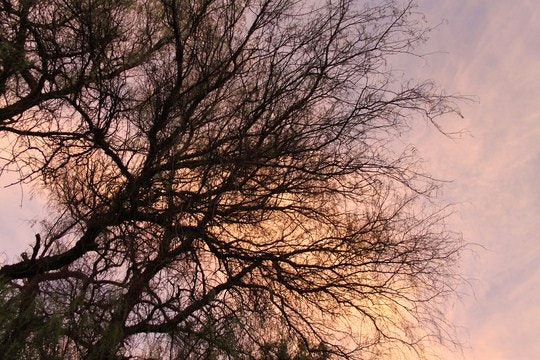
x=220, y=180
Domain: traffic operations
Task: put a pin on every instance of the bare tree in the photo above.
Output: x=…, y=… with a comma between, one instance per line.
x=220, y=180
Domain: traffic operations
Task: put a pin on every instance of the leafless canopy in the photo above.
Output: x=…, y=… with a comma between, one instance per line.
x=219, y=180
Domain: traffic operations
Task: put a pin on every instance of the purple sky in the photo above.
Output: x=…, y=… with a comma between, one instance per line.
x=490, y=50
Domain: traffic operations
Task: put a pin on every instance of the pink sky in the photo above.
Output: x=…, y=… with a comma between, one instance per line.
x=489, y=49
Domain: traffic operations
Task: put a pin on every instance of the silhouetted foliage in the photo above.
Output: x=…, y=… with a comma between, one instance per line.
x=220, y=181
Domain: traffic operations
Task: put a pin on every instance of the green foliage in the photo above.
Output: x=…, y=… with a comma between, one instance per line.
x=25, y=331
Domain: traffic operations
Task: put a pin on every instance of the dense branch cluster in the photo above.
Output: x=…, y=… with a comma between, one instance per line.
x=219, y=181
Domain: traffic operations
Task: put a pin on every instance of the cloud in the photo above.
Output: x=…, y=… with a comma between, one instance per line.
x=492, y=53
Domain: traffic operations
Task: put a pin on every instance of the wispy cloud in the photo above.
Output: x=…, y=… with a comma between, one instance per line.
x=493, y=53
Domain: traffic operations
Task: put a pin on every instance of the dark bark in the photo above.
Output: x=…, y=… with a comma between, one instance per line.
x=220, y=178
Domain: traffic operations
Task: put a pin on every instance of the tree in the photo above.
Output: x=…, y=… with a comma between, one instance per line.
x=220, y=179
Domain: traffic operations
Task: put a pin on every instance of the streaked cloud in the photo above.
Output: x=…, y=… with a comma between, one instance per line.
x=489, y=49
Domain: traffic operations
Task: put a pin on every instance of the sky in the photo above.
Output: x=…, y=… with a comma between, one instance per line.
x=488, y=50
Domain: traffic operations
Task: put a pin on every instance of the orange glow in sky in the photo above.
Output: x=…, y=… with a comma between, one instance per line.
x=488, y=50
